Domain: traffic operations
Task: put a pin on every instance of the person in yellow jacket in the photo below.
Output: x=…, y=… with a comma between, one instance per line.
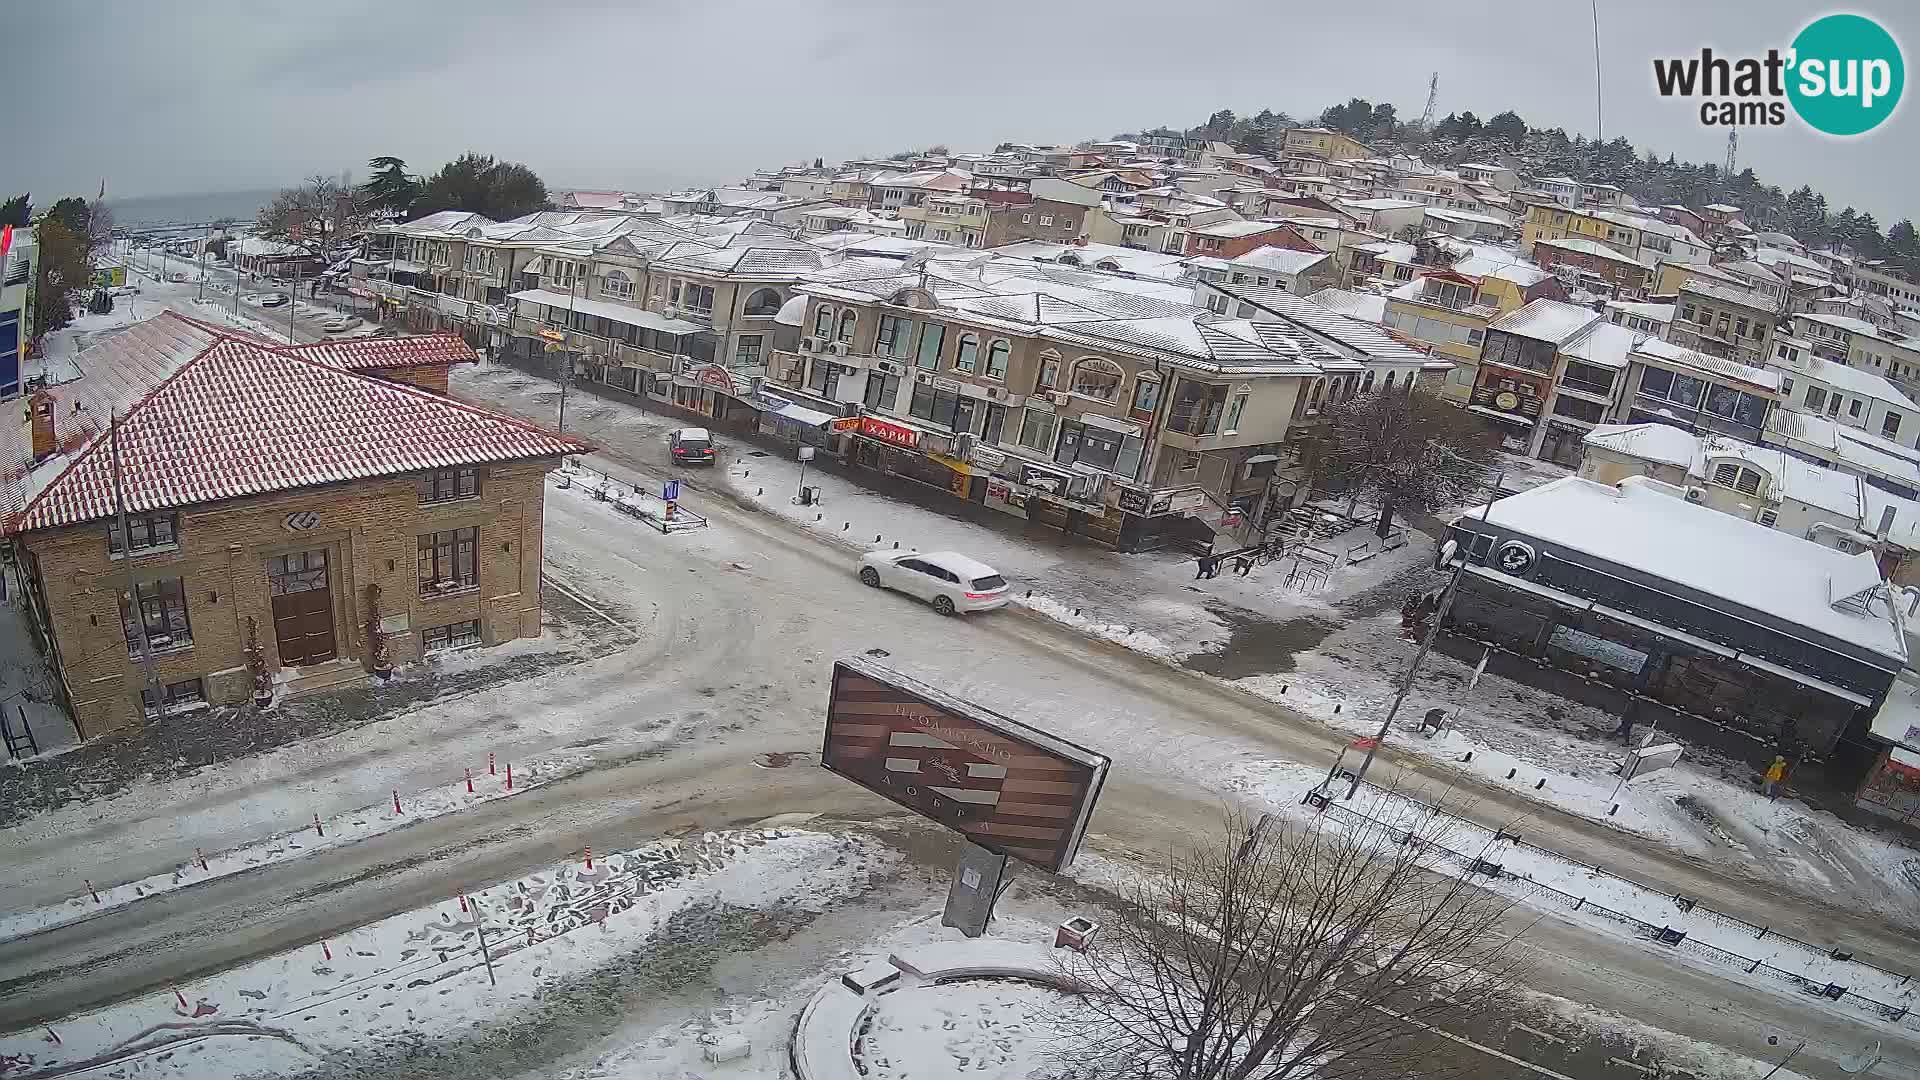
x=1776, y=772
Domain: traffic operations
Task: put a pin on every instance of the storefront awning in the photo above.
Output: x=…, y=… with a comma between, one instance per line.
x=620, y=313
x=1508, y=418
x=801, y=414
x=1807, y=681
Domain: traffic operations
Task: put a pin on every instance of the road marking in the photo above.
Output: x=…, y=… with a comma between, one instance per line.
x=579, y=598
x=1464, y=1041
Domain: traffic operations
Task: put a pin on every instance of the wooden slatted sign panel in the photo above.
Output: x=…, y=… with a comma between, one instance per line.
x=1006, y=786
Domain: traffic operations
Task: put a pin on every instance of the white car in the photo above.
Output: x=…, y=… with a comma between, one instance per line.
x=949, y=581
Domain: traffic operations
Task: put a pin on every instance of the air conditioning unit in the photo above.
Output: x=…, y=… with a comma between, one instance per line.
x=1059, y=397
x=809, y=344
x=839, y=348
x=996, y=393
x=922, y=377
x=1695, y=494
x=889, y=367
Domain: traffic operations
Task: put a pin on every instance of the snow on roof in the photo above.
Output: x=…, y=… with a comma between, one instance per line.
x=1723, y=208
x=1857, y=381
x=1591, y=247
x=1606, y=344
x=264, y=248
x=1502, y=266
x=1237, y=228
x=1281, y=260
x=1680, y=356
x=1380, y=204
x=1656, y=312
x=1662, y=443
x=1738, y=561
x=386, y=354
x=1445, y=214
x=1371, y=307
x=243, y=417
x=1546, y=320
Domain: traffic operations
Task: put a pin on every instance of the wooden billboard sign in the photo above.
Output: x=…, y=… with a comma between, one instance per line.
x=1005, y=786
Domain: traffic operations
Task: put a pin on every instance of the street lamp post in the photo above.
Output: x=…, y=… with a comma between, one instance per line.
x=1426, y=644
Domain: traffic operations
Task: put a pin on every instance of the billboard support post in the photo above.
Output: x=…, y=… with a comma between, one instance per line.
x=979, y=877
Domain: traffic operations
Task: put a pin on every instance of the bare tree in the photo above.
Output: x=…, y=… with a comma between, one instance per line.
x=1318, y=950
x=318, y=213
x=1409, y=449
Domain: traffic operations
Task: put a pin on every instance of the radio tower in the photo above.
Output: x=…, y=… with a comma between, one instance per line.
x=1433, y=98
x=1733, y=152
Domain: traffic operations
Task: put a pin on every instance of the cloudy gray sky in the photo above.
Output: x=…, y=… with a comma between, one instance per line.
x=163, y=98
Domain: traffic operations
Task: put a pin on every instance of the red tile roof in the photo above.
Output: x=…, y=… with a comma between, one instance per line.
x=384, y=354
x=243, y=418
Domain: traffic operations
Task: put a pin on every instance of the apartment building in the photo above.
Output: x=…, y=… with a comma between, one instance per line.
x=1549, y=373
x=959, y=219
x=1849, y=396
x=1669, y=384
x=1034, y=218
x=1498, y=177
x=1591, y=266
x=1882, y=280
x=1099, y=405
x=1449, y=309
x=1232, y=239
x=1722, y=320
x=286, y=507
x=1322, y=143
x=1888, y=352
x=1300, y=272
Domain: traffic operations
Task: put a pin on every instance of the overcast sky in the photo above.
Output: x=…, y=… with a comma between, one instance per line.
x=162, y=98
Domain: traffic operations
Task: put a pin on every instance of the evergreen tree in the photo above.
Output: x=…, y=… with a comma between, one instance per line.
x=500, y=190
x=17, y=210
x=74, y=213
x=1219, y=125
x=389, y=187
x=1509, y=127
x=65, y=267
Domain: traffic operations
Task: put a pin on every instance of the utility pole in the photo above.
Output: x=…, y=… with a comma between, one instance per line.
x=293, y=301
x=1433, y=631
x=126, y=558
x=567, y=379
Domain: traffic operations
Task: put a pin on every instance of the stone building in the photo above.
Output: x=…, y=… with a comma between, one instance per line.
x=295, y=517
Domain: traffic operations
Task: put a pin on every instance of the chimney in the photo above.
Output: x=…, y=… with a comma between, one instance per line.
x=41, y=404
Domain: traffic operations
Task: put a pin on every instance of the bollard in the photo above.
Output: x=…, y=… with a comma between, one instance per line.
x=1614, y=809
x=876, y=539
x=54, y=1037
x=96, y=895
x=469, y=773
x=817, y=517
x=589, y=856
x=1336, y=710
x=1510, y=772
x=463, y=903
x=1467, y=758
x=845, y=525
x=529, y=935
x=1541, y=784
x=896, y=545
x=1029, y=594
x=759, y=491
x=1284, y=687
x=396, y=800
x=509, y=776
x=490, y=763
x=326, y=951
x=182, y=998
x=317, y=830
x=199, y=858
x=1076, y=613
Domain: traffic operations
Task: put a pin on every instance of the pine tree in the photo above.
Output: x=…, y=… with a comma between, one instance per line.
x=17, y=210
x=389, y=187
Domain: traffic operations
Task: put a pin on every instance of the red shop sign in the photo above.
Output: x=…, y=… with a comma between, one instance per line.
x=897, y=434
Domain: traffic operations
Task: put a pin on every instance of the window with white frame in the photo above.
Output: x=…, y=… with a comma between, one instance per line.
x=997, y=359
x=1036, y=431
x=617, y=284
x=966, y=353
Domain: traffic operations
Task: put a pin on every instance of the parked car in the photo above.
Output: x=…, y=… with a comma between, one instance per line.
x=273, y=300
x=691, y=446
x=948, y=580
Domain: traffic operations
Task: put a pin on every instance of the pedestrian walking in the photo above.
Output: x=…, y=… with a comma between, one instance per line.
x=1204, y=568
x=1776, y=772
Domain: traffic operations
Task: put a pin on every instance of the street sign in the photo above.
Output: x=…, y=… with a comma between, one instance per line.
x=671, y=492
x=1007, y=787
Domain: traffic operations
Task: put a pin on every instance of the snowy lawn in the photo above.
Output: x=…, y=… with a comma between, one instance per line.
x=990, y=1029
x=385, y=994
